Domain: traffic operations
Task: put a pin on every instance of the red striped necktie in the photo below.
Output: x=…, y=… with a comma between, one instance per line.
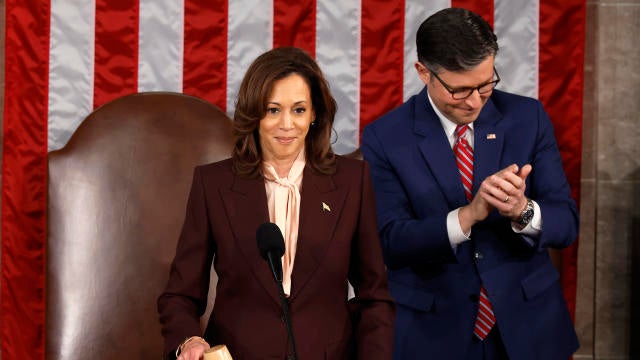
x=464, y=159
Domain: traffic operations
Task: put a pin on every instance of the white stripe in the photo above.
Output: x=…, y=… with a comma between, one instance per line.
x=484, y=318
x=250, y=33
x=516, y=25
x=464, y=156
x=486, y=308
x=71, y=53
x=338, y=34
x=161, y=45
x=480, y=333
x=71, y=56
x=484, y=295
x=415, y=12
x=478, y=327
x=463, y=164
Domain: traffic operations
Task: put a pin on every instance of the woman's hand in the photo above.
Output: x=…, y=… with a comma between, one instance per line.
x=193, y=349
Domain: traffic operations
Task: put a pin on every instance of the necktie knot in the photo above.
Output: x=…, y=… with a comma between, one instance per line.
x=460, y=131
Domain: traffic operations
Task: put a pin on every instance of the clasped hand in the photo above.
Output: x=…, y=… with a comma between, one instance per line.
x=503, y=191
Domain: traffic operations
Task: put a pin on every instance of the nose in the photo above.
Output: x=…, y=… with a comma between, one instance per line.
x=286, y=121
x=474, y=100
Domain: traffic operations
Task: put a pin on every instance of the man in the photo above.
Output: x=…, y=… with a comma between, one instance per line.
x=471, y=193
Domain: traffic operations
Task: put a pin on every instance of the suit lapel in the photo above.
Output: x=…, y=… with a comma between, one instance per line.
x=320, y=208
x=488, y=142
x=436, y=150
x=246, y=207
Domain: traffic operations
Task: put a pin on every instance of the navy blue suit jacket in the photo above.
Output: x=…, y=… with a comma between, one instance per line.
x=417, y=184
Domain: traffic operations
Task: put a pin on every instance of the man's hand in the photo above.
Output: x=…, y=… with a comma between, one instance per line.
x=503, y=191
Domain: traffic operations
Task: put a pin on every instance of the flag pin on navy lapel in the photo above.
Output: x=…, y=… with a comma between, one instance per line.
x=491, y=136
x=325, y=207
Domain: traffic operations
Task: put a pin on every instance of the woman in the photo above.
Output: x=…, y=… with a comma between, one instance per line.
x=283, y=171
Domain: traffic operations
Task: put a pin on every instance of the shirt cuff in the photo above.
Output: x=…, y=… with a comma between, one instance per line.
x=454, y=230
x=534, y=227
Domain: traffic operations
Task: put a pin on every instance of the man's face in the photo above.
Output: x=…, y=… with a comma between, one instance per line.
x=463, y=111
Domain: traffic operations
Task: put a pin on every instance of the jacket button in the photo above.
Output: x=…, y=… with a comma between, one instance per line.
x=474, y=297
x=478, y=255
x=283, y=319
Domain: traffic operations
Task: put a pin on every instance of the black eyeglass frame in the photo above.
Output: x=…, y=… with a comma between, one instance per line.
x=463, y=90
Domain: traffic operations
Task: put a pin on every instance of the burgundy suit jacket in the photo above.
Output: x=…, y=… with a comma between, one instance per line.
x=336, y=243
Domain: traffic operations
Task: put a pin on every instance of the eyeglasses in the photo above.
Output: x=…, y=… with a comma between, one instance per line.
x=464, y=92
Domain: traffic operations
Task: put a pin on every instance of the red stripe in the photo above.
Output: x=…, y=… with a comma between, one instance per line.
x=24, y=179
x=205, y=50
x=466, y=156
x=487, y=317
x=482, y=7
x=294, y=24
x=561, y=91
x=480, y=332
x=116, y=50
x=381, y=58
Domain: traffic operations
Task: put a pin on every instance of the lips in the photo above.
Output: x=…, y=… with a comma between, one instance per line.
x=467, y=111
x=285, y=140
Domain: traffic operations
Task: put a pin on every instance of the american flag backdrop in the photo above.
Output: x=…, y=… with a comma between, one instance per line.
x=64, y=58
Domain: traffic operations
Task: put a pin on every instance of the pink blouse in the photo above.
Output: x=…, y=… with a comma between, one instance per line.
x=283, y=200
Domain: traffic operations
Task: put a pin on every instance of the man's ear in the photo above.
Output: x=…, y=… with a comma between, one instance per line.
x=423, y=72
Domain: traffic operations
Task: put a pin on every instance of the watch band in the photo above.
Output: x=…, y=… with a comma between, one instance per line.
x=526, y=215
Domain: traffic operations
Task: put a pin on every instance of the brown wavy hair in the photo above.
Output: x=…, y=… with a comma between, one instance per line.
x=251, y=107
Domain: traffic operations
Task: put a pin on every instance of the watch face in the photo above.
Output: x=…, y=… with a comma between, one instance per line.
x=526, y=215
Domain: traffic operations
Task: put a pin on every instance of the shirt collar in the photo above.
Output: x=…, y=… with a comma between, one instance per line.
x=448, y=125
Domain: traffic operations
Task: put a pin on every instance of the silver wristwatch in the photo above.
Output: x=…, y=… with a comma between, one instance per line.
x=526, y=215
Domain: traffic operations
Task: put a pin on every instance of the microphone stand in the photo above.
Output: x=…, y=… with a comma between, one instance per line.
x=285, y=311
x=287, y=319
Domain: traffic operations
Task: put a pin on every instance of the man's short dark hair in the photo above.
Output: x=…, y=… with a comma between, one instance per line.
x=455, y=39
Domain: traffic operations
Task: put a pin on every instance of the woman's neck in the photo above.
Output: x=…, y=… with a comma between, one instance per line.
x=282, y=166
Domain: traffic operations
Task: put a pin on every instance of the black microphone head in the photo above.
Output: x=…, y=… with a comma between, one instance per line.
x=270, y=239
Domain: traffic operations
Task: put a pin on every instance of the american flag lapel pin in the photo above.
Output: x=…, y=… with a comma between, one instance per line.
x=491, y=136
x=325, y=207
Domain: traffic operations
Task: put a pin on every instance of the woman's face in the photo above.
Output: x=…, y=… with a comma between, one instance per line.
x=286, y=123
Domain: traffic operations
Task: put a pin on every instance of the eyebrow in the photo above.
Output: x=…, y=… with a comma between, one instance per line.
x=295, y=103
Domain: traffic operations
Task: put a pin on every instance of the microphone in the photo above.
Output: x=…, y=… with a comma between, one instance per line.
x=271, y=247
